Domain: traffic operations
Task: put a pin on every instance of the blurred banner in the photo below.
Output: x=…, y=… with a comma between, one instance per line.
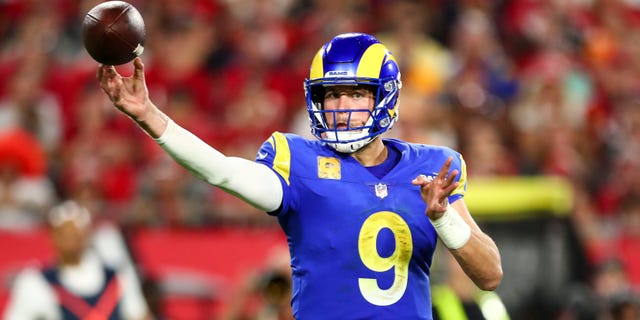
x=542, y=258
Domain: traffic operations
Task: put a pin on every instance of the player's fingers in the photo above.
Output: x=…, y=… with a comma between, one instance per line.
x=452, y=176
x=105, y=74
x=420, y=180
x=103, y=77
x=108, y=72
x=138, y=72
x=99, y=73
x=444, y=170
x=450, y=188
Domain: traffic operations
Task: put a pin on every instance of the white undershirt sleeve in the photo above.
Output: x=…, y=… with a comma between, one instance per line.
x=251, y=181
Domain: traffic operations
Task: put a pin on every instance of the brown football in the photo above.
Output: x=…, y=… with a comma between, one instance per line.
x=113, y=32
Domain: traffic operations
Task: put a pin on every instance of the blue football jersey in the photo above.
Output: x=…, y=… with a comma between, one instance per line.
x=361, y=247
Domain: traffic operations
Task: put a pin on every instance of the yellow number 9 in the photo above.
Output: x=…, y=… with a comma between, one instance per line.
x=399, y=259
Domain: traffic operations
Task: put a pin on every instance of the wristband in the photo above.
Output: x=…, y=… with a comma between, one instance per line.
x=452, y=229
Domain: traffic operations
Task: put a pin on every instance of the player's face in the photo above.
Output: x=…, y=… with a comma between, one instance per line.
x=344, y=99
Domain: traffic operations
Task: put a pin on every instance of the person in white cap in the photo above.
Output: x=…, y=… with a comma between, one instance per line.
x=79, y=284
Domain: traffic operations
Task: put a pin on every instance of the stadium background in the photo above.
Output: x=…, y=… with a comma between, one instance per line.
x=541, y=97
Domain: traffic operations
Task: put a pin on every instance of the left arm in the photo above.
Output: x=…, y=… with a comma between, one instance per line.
x=479, y=257
x=474, y=250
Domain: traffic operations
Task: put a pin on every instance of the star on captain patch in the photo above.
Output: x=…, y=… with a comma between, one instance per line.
x=329, y=168
x=381, y=190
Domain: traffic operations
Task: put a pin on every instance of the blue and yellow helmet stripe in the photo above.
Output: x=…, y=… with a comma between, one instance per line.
x=369, y=66
x=372, y=61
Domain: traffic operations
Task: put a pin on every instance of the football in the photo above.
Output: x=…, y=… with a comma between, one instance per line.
x=113, y=32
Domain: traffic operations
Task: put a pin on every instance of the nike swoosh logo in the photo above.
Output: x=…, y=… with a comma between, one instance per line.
x=262, y=155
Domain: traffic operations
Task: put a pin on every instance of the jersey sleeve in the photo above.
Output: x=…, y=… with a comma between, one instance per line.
x=241, y=177
x=275, y=153
x=460, y=165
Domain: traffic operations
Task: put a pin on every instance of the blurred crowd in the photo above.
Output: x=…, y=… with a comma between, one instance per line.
x=519, y=87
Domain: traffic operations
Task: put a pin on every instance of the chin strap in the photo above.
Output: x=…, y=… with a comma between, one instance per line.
x=350, y=147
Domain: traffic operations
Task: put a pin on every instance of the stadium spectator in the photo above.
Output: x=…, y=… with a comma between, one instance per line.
x=84, y=282
x=265, y=293
x=26, y=191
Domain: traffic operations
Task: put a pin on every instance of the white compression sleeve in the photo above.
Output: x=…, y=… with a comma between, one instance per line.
x=253, y=182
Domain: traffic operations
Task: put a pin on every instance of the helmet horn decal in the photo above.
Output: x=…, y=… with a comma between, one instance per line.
x=372, y=59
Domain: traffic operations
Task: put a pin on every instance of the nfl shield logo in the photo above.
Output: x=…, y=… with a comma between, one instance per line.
x=381, y=190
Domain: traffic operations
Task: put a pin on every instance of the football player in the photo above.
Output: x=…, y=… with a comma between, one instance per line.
x=361, y=213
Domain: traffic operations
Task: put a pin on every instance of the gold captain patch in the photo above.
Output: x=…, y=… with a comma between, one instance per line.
x=329, y=168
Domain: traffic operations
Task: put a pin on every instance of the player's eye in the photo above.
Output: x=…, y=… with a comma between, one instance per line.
x=332, y=95
x=361, y=93
x=355, y=94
